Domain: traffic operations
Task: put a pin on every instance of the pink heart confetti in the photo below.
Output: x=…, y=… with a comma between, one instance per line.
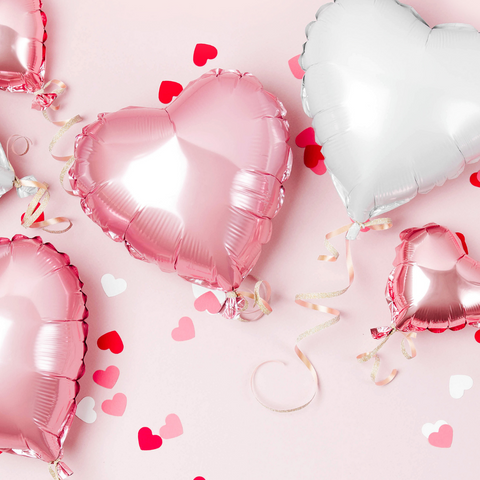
x=184, y=331
x=172, y=428
x=443, y=438
x=208, y=301
x=148, y=441
x=116, y=406
x=295, y=67
x=107, y=378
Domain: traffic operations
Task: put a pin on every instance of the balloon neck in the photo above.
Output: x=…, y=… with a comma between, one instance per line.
x=381, y=332
x=59, y=470
x=233, y=306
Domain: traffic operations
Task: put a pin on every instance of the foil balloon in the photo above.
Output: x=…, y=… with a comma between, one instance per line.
x=42, y=347
x=22, y=47
x=434, y=285
x=193, y=187
x=395, y=104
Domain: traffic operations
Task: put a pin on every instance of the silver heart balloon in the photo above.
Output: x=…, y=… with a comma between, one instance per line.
x=395, y=104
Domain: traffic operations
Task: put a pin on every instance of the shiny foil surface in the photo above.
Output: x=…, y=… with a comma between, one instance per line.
x=42, y=346
x=395, y=104
x=193, y=187
x=435, y=285
x=22, y=49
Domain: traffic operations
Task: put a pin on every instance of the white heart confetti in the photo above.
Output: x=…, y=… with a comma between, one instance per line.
x=430, y=428
x=113, y=286
x=85, y=410
x=458, y=385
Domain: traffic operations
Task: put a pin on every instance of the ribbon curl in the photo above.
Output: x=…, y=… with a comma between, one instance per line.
x=365, y=357
x=41, y=197
x=302, y=299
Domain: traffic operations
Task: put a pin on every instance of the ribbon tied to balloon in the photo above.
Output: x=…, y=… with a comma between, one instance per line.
x=434, y=286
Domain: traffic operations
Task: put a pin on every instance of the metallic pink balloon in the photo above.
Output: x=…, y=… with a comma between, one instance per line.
x=22, y=49
x=193, y=187
x=435, y=285
x=42, y=346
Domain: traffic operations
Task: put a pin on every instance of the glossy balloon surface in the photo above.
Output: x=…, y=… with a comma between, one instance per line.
x=435, y=285
x=22, y=49
x=42, y=346
x=395, y=104
x=193, y=187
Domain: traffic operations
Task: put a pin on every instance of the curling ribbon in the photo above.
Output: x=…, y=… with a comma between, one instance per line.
x=58, y=470
x=301, y=299
x=365, y=357
x=236, y=302
x=41, y=198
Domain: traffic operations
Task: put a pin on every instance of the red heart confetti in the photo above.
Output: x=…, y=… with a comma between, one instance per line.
x=107, y=378
x=148, y=441
x=312, y=155
x=208, y=301
x=41, y=217
x=198, y=478
x=474, y=180
x=477, y=336
x=443, y=438
x=202, y=53
x=111, y=341
x=461, y=236
x=305, y=137
x=168, y=90
x=320, y=169
x=295, y=67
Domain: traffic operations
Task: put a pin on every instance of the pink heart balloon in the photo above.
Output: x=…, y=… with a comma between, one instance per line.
x=435, y=285
x=42, y=346
x=22, y=49
x=193, y=187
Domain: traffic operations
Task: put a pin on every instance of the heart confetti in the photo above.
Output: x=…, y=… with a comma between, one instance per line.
x=148, y=441
x=184, y=331
x=172, y=428
x=209, y=302
x=295, y=67
x=107, y=378
x=458, y=385
x=474, y=180
x=111, y=341
x=461, y=236
x=116, y=406
x=168, y=90
x=439, y=435
x=85, y=410
x=305, y=137
x=203, y=53
x=113, y=286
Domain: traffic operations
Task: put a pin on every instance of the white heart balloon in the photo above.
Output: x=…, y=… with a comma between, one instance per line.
x=395, y=104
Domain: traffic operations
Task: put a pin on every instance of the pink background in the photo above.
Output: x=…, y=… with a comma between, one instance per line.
x=115, y=54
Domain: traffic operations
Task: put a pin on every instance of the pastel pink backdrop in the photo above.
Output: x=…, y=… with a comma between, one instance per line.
x=116, y=55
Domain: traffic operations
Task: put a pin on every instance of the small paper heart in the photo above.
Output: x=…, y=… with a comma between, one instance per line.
x=172, y=428
x=443, y=438
x=40, y=218
x=208, y=301
x=113, y=286
x=312, y=156
x=461, y=236
x=85, y=410
x=295, y=67
x=116, y=406
x=184, y=331
x=458, y=385
x=305, y=137
x=168, y=90
x=474, y=180
x=477, y=336
x=429, y=428
x=111, y=341
x=202, y=53
x=107, y=378
x=148, y=441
